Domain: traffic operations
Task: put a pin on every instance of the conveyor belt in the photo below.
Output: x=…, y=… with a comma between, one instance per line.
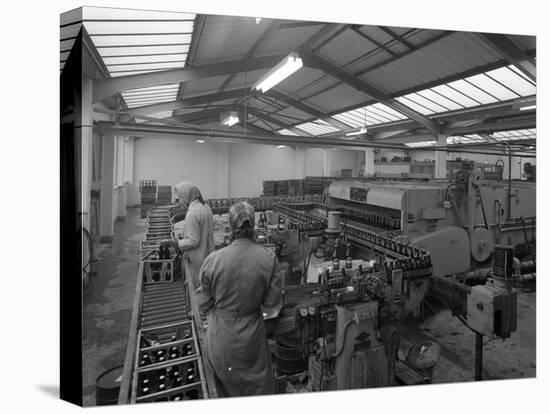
x=162, y=304
x=162, y=314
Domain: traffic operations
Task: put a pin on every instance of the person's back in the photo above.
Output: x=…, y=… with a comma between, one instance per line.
x=244, y=273
x=235, y=282
x=199, y=227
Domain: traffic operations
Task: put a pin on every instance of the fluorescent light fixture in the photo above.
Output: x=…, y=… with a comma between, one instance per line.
x=526, y=108
x=200, y=141
x=281, y=71
x=363, y=130
x=281, y=146
x=229, y=118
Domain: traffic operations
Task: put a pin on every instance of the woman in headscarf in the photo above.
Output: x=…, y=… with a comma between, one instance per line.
x=236, y=282
x=198, y=229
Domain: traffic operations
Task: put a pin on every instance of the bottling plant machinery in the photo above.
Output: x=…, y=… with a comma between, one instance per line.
x=449, y=239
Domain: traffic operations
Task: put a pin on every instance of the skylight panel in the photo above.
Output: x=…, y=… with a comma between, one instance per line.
x=413, y=105
x=432, y=106
x=318, y=127
x=130, y=40
x=388, y=110
x=106, y=13
x=455, y=95
x=472, y=91
x=142, y=27
x=439, y=99
x=494, y=88
x=513, y=80
x=124, y=60
x=287, y=132
x=420, y=144
x=143, y=50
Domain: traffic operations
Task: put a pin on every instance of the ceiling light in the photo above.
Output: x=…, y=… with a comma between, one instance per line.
x=526, y=108
x=200, y=141
x=363, y=130
x=229, y=118
x=281, y=146
x=281, y=71
x=258, y=20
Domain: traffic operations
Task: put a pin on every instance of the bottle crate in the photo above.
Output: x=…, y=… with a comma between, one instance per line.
x=157, y=270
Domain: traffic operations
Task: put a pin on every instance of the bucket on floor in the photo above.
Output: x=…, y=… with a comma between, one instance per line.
x=107, y=386
x=289, y=360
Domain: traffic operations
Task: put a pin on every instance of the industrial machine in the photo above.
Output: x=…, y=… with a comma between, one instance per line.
x=345, y=323
x=439, y=237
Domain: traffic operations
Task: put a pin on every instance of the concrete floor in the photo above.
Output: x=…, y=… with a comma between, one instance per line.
x=108, y=309
x=514, y=357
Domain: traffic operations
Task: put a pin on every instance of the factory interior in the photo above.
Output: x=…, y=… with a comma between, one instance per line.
x=392, y=173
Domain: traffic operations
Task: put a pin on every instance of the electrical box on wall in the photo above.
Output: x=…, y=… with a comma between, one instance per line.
x=492, y=311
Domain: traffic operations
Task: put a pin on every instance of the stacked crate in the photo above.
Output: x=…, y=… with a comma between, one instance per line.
x=164, y=195
x=282, y=188
x=148, y=190
x=313, y=185
x=269, y=188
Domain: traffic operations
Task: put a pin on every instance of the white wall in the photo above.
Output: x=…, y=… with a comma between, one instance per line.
x=517, y=170
x=314, y=162
x=170, y=161
x=250, y=164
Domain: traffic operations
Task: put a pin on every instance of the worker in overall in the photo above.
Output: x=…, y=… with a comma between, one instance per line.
x=198, y=229
x=236, y=282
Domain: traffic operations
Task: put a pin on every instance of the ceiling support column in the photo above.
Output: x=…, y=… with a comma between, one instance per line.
x=85, y=136
x=300, y=163
x=441, y=157
x=369, y=162
x=327, y=162
x=106, y=227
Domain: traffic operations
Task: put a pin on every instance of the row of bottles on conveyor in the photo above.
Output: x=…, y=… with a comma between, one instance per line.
x=308, y=220
x=386, y=221
x=169, y=378
x=162, y=355
x=159, y=354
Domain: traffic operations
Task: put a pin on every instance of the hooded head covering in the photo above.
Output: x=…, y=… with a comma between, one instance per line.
x=187, y=192
x=239, y=213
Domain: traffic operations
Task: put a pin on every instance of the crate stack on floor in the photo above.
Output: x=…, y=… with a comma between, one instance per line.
x=148, y=191
x=166, y=363
x=164, y=195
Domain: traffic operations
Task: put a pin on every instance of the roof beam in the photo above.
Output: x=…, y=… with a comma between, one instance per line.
x=307, y=109
x=208, y=114
x=512, y=53
x=198, y=27
x=357, y=29
x=333, y=70
x=399, y=38
x=266, y=117
x=263, y=37
x=187, y=102
x=104, y=88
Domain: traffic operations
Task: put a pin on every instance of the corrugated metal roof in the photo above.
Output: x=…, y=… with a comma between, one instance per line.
x=339, y=97
x=347, y=47
x=305, y=81
x=455, y=53
x=295, y=113
x=286, y=40
x=205, y=85
x=524, y=42
x=227, y=38
x=241, y=80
